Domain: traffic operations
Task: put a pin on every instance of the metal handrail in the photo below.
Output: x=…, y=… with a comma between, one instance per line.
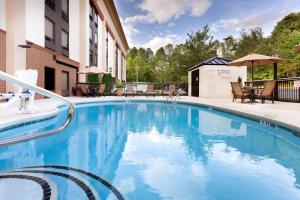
x=11, y=79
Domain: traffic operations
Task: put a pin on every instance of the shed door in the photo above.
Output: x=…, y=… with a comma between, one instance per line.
x=195, y=83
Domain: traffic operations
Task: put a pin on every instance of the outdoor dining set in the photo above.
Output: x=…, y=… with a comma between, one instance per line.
x=253, y=93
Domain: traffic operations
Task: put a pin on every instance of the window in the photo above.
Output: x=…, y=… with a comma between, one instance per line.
x=49, y=30
x=65, y=10
x=91, y=12
x=117, y=57
x=91, y=35
x=64, y=40
x=96, y=39
x=96, y=19
x=96, y=60
x=50, y=4
x=91, y=58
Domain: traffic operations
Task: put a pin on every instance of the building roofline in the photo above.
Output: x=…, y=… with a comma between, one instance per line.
x=116, y=20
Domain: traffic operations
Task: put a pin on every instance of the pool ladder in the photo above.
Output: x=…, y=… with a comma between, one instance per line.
x=11, y=79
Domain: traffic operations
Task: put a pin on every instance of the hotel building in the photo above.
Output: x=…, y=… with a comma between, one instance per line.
x=59, y=38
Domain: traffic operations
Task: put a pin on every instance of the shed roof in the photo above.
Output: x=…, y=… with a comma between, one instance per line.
x=212, y=61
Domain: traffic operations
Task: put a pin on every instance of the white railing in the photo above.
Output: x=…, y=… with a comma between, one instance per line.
x=11, y=79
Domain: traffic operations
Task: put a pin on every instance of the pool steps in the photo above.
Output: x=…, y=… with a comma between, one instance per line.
x=90, y=185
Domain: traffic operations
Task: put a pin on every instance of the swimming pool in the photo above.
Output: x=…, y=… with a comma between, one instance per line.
x=152, y=150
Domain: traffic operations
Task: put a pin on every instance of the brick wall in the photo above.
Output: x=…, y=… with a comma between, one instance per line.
x=38, y=58
x=2, y=57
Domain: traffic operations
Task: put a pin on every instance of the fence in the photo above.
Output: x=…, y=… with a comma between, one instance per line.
x=161, y=87
x=287, y=89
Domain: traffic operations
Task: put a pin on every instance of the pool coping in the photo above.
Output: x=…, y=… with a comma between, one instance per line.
x=295, y=130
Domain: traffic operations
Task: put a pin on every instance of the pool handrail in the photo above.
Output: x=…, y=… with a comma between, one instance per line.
x=11, y=79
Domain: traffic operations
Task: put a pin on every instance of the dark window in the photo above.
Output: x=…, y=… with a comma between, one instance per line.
x=49, y=30
x=96, y=60
x=91, y=58
x=96, y=20
x=56, y=21
x=91, y=35
x=65, y=10
x=96, y=39
x=91, y=12
x=64, y=40
x=50, y=4
x=106, y=54
x=49, y=78
x=117, y=63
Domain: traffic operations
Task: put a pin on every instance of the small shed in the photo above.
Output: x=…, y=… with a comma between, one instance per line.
x=212, y=77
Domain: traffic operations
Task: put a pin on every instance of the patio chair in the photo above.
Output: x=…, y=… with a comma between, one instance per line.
x=84, y=90
x=129, y=91
x=171, y=91
x=150, y=91
x=101, y=90
x=267, y=91
x=239, y=93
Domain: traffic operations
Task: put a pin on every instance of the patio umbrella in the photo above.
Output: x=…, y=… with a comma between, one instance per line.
x=93, y=70
x=254, y=60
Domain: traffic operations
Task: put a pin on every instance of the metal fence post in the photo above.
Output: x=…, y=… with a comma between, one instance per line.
x=299, y=94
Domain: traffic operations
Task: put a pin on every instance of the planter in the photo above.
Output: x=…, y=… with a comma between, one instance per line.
x=120, y=91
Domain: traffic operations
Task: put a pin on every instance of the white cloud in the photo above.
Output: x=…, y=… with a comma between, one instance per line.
x=171, y=24
x=159, y=41
x=162, y=11
x=267, y=22
x=129, y=31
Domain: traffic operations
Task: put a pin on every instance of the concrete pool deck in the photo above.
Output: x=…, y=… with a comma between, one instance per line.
x=281, y=113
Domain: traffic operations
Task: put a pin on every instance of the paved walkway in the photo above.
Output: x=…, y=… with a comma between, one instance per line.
x=282, y=113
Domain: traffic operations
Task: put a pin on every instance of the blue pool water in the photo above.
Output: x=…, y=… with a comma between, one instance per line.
x=151, y=150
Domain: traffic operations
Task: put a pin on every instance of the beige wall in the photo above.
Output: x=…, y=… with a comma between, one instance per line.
x=15, y=27
x=214, y=80
x=35, y=23
x=74, y=30
x=2, y=58
x=3, y=14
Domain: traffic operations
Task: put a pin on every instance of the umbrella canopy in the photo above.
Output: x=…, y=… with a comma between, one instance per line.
x=93, y=70
x=255, y=59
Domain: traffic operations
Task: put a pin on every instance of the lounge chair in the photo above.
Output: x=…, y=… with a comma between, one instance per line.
x=239, y=93
x=171, y=91
x=150, y=91
x=129, y=91
x=84, y=90
x=267, y=91
x=101, y=90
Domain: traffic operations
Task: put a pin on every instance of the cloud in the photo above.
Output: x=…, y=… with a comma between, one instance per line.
x=173, y=9
x=171, y=24
x=265, y=21
x=160, y=41
x=129, y=31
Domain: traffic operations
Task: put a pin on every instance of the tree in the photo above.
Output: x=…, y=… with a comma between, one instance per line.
x=248, y=42
x=199, y=46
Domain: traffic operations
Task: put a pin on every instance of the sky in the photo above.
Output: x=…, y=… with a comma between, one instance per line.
x=156, y=23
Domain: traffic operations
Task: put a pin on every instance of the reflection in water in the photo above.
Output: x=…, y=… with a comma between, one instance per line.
x=167, y=151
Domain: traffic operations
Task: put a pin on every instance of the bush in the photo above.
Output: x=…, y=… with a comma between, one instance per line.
x=93, y=78
x=107, y=80
x=120, y=85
